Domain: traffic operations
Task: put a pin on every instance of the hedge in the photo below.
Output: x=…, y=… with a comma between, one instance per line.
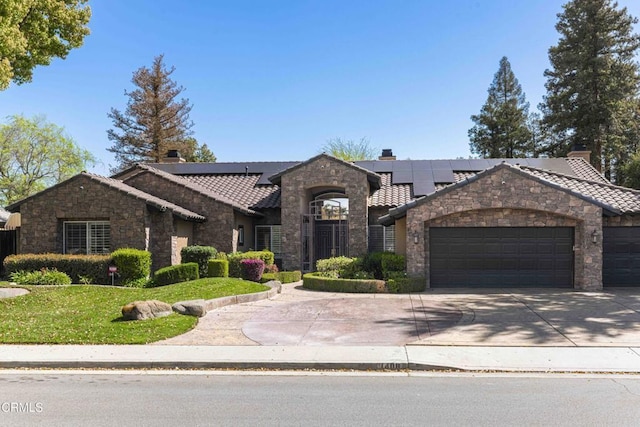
x=90, y=269
x=318, y=283
x=282, y=277
x=218, y=268
x=134, y=266
x=175, y=274
x=406, y=285
x=403, y=285
x=235, y=269
x=200, y=255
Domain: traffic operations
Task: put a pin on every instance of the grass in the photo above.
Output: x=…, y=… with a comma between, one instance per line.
x=85, y=314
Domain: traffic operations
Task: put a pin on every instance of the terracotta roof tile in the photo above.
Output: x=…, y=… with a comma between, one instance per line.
x=148, y=198
x=622, y=199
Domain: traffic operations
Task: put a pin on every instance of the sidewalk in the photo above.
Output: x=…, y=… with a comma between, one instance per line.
x=419, y=358
x=540, y=330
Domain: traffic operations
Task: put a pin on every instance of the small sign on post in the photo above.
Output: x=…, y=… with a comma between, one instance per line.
x=112, y=273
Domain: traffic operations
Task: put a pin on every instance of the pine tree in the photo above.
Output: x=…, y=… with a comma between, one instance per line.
x=592, y=88
x=154, y=122
x=501, y=127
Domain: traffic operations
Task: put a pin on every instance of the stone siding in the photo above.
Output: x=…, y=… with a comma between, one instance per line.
x=621, y=221
x=216, y=231
x=297, y=187
x=506, y=198
x=83, y=199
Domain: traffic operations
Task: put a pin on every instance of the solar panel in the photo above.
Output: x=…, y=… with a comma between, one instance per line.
x=443, y=175
x=423, y=188
x=460, y=165
x=402, y=177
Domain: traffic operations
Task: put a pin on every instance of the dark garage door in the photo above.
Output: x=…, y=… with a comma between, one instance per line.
x=621, y=256
x=501, y=257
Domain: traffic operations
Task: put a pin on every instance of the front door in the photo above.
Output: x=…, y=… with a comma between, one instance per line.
x=330, y=239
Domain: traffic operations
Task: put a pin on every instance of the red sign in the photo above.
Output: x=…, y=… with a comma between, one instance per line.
x=113, y=269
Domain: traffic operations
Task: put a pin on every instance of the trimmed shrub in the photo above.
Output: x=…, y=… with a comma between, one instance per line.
x=218, y=268
x=134, y=266
x=316, y=282
x=282, y=276
x=289, y=276
x=43, y=277
x=271, y=268
x=392, y=263
x=372, y=262
x=200, y=255
x=252, y=269
x=235, y=269
x=175, y=274
x=80, y=268
x=406, y=285
x=335, y=267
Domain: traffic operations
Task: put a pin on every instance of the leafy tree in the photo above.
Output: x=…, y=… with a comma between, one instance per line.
x=154, y=122
x=592, y=87
x=34, y=155
x=198, y=153
x=501, y=129
x=350, y=150
x=33, y=32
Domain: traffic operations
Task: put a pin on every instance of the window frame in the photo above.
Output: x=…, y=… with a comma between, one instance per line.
x=89, y=237
x=278, y=238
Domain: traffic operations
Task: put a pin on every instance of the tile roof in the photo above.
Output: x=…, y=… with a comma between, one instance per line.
x=118, y=185
x=248, y=185
x=242, y=189
x=582, y=169
x=390, y=195
x=147, y=198
x=621, y=199
x=213, y=191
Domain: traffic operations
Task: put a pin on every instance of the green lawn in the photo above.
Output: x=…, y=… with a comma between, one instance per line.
x=85, y=314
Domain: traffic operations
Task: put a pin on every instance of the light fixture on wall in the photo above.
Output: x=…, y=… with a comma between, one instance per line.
x=594, y=236
x=416, y=237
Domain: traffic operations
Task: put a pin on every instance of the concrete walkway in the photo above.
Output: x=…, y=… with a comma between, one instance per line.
x=504, y=317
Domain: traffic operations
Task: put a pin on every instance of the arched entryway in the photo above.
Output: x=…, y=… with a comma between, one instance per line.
x=325, y=228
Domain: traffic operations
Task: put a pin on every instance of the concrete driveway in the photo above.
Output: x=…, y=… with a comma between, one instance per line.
x=501, y=317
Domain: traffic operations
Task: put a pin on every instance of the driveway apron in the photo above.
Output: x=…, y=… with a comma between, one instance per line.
x=500, y=317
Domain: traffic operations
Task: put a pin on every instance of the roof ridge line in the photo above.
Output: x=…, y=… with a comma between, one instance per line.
x=588, y=181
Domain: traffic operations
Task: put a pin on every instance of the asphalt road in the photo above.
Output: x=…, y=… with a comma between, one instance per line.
x=55, y=398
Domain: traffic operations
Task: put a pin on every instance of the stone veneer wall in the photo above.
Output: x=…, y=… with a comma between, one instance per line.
x=295, y=188
x=216, y=231
x=622, y=221
x=82, y=199
x=506, y=198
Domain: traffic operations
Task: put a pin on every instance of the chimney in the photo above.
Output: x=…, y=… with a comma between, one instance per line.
x=387, y=154
x=580, y=150
x=173, y=156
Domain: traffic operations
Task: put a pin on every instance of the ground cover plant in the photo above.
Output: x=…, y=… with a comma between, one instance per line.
x=81, y=314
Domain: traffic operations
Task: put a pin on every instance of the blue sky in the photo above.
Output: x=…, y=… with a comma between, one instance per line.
x=274, y=80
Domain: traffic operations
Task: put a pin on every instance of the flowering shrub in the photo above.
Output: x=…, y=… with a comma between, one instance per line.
x=252, y=269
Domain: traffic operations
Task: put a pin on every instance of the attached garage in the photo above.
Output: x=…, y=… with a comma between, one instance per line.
x=501, y=256
x=621, y=256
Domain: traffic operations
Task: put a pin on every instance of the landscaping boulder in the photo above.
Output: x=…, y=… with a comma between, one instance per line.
x=139, y=310
x=196, y=307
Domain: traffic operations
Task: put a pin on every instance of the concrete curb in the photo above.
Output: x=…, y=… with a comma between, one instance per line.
x=361, y=358
x=276, y=288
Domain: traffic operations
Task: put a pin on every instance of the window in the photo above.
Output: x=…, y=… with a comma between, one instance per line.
x=87, y=237
x=382, y=239
x=269, y=237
